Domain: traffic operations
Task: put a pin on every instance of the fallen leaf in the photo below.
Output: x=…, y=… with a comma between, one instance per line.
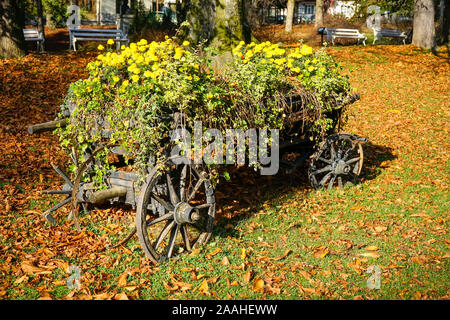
x=204, y=287
x=247, y=276
x=121, y=296
x=122, y=281
x=258, y=285
x=213, y=253
x=28, y=267
x=225, y=261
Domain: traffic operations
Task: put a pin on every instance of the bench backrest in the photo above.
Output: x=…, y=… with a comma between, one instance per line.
x=390, y=32
x=97, y=33
x=343, y=31
x=31, y=33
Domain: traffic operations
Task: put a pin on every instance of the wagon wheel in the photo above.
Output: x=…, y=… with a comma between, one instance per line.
x=72, y=188
x=176, y=210
x=67, y=190
x=338, y=162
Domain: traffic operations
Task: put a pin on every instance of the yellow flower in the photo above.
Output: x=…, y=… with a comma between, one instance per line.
x=100, y=47
x=147, y=74
x=136, y=70
x=110, y=41
x=311, y=68
x=116, y=79
x=135, y=78
x=306, y=50
x=186, y=43
x=125, y=83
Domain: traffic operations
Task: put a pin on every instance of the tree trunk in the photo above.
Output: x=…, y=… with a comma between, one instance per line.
x=319, y=14
x=289, y=15
x=40, y=20
x=252, y=13
x=12, y=43
x=220, y=23
x=444, y=22
x=423, y=25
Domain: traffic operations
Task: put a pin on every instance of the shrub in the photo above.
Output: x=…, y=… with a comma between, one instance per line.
x=133, y=92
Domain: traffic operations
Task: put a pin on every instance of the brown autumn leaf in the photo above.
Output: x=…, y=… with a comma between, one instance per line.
x=214, y=252
x=372, y=248
x=204, y=288
x=213, y=279
x=121, y=296
x=225, y=261
x=104, y=296
x=321, y=252
x=247, y=276
x=122, y=280
x=21, y=279
x=285, y=254
x=370, y=254
x=29, y=267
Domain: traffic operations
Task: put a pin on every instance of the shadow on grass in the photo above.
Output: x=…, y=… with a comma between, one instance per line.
x=247, y=191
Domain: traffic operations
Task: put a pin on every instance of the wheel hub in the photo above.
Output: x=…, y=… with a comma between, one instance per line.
x=184, y=213
x=341, y=168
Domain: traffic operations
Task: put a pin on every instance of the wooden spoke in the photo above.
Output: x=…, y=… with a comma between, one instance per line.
x=185, y=236
x=353, y=160
x=173, y=195
x=183, y=183
x=325, y=160
x=173, y=236
x=324, y=169
x=164, y=232
x=204, y=206
x=164, y=203
x=330, y=184
x=194, y=191
x=325, y=179
x=167, y=216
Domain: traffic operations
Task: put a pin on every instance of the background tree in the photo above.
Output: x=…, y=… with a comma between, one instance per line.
x=319, y=14
x=220, y=23
x=444, y=22
x=40, y=18
x=12, y=43
x=423, y=28
x=289, y=15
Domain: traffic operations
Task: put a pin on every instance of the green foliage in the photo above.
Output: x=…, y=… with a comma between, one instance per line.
x=403, y=7
x=57, y=9
x=132, y=95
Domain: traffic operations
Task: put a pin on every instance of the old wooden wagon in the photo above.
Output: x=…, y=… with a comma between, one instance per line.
x=175, y=206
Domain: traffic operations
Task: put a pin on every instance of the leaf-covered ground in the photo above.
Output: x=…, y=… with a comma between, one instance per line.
x=275, y=237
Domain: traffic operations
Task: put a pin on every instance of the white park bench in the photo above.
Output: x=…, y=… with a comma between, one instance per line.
x=334, y=33
x=79, y=34
x=34, y=35
x=392, y=33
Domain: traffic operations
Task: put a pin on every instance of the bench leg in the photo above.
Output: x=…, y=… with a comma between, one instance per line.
x=74, y=44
